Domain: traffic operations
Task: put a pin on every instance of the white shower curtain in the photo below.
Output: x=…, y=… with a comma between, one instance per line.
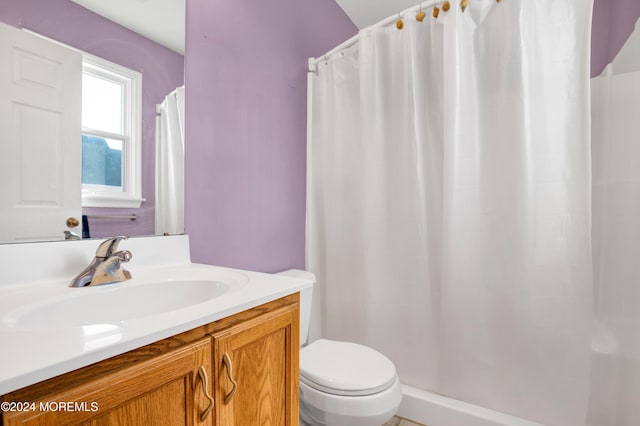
x=449, y=203
x=169, y=209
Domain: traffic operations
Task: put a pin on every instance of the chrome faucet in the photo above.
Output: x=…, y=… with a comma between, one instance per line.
x=68, y=235
x=105, y=268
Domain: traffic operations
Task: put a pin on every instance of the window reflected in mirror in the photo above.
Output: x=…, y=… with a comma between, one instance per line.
x=111, y=118
x=101, y=162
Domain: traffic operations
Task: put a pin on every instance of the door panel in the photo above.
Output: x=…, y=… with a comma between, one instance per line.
x=40, y=137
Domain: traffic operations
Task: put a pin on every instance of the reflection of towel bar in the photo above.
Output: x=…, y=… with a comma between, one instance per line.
x=130, y=217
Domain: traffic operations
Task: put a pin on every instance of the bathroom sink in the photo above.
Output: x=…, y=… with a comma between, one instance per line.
x=116, y=304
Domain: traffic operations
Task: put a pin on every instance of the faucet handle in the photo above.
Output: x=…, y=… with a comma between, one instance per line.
x=108, y=247
x=123, y=255
x=110, y=270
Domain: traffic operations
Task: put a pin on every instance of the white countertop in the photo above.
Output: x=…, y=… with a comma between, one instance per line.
x=32, y=352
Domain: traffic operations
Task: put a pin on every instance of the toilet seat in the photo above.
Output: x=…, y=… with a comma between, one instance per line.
x=343, y=368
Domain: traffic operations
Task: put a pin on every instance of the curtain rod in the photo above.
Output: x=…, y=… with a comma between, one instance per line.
x=313, y=62
x=173, y=92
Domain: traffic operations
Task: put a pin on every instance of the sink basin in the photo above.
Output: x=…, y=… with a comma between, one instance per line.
x=116, y=303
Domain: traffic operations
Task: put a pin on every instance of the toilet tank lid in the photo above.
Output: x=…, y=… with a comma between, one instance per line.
x=345, y=368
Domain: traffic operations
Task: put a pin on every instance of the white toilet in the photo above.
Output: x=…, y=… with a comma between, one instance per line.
x=341, y=383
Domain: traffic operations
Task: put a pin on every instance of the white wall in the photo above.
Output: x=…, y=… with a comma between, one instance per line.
x=616, y=239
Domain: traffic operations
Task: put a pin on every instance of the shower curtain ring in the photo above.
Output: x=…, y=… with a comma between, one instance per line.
x=420, y=15
x=399, y=22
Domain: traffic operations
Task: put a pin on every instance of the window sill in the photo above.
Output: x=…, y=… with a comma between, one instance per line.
x=111, y=202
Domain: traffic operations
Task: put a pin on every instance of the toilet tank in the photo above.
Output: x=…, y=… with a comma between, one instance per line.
x=306, y=296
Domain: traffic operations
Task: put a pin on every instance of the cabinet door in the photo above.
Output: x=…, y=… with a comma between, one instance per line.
x=165, y=390
x=256, y=371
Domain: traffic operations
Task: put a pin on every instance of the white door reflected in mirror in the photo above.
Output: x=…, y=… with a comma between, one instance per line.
x=40, y=108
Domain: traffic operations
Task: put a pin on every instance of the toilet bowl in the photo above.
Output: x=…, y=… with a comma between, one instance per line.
x=346, y=384
x=342, y=383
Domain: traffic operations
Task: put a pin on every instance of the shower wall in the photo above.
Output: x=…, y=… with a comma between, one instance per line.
x=616, y=237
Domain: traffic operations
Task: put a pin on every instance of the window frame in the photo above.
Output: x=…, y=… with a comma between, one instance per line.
x=131, y=194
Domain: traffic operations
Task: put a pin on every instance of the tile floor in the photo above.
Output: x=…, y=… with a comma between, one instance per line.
x=397, y=421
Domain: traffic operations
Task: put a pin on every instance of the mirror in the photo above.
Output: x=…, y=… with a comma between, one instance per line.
x=162, y=70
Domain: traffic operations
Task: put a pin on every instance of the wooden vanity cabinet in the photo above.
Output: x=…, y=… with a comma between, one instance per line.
x=186, y=379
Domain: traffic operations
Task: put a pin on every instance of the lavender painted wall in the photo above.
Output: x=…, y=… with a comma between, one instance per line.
x=246, y=118
x=162, y=69
x=613, y=22
x=245, y=72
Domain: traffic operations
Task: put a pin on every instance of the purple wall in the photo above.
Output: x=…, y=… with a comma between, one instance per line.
x=246, y=119
x=613, y=22
x=245, y=72
x=162, y=70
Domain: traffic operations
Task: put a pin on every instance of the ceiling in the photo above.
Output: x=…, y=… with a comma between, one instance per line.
x=164, y=20
x=159, y=20
x=368, y=12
